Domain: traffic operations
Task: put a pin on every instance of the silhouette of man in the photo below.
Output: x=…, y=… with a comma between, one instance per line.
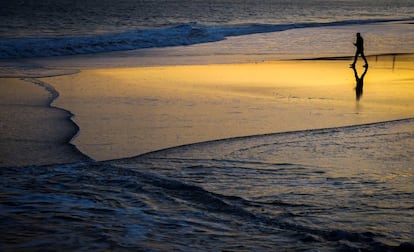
x=359, y=50
x=359, y=83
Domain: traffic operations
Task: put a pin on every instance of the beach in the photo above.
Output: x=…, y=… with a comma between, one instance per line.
x=165, y=125
x=127, y=111
x=33, y=132
x=271, y=153
x=268, y=144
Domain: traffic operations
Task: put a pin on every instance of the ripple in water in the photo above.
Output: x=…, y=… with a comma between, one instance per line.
x=344, y=189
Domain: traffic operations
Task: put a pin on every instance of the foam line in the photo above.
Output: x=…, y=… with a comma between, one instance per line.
x=180, y=35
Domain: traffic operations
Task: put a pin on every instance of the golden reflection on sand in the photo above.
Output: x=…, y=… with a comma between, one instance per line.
x=128, y=111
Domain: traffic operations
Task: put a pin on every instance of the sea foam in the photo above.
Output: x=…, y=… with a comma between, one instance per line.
x=178, y=35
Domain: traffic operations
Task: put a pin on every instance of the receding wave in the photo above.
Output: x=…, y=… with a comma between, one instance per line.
x=184, y=34
x=325, y=189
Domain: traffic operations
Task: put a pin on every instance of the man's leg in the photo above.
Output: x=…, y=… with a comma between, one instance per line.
x=365, y=59
x=355, y=59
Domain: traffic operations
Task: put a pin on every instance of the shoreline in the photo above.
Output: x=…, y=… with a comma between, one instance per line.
x=39, y=133
x=126, y=41
x=55, y=95
x=45, y=67
x=123, y=160
x=256, y=96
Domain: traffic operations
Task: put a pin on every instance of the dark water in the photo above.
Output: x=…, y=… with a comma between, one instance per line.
x=64, y=27
x=339, y=189
x=84, y=17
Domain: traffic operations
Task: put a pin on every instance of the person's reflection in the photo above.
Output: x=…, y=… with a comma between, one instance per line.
x=359, y=82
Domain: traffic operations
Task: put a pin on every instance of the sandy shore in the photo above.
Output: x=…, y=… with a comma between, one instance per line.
x=32, y=132
x=124, y=112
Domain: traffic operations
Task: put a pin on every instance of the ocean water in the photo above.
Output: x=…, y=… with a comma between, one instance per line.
x=337, y=189
x=62, y=27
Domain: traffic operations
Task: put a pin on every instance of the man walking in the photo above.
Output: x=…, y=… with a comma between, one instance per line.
x=359, y=50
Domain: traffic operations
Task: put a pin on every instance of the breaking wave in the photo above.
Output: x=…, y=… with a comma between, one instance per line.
x=179, y=35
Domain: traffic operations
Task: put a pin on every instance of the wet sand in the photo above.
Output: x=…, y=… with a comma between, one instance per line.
x=32, y=132
x=124, y=112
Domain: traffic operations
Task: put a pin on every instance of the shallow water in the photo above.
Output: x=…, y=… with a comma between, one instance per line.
x=343, y=188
